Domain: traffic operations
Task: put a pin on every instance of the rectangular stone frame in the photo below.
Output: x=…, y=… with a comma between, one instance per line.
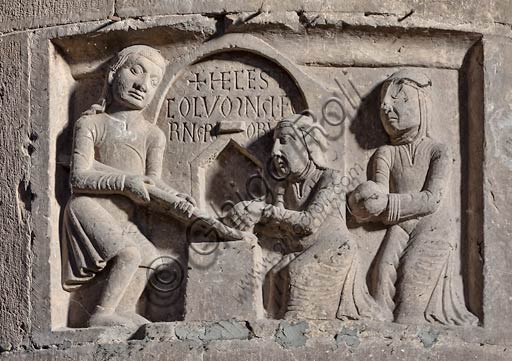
x=470, y=61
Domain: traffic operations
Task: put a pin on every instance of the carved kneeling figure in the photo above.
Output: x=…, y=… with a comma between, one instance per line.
x=323, y=264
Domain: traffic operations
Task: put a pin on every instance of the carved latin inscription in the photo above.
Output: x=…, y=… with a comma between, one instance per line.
x=233, y=92
x=233, y=116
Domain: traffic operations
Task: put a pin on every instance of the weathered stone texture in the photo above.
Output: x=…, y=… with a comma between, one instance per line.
x=49, y=76
x=15, y=191
x=496, y=184
x=460, y=11
x=18, y=15
x=263, y=350
x=34, y=14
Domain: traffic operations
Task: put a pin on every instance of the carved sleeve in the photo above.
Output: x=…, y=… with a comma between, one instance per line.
x=155, y=153
x=381, y=164
x=85, y=176
x=382, y=167
x=403, y=206
x=304, y=223
x=155, y=156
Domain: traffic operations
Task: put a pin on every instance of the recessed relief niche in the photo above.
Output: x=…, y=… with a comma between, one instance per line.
x=231, y=182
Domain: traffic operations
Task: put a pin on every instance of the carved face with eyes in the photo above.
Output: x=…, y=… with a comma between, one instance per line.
x=399, y=110
x=289, y=153
x=135, y=82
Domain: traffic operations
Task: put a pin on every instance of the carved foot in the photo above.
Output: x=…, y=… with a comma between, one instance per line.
x=105, y=318
x=137, y=319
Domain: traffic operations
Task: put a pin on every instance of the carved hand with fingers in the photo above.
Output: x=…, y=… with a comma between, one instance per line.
x=186, y=204
x=245, y=215
x=367, y=200
x=136, y=186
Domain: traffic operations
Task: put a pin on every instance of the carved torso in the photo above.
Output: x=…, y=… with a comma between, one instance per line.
x=120, y=144
x=298, y=194
x=409, y=164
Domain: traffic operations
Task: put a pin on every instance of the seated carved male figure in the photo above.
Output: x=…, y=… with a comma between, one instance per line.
x=418, y=276
x=323, y=263
x=116, y=159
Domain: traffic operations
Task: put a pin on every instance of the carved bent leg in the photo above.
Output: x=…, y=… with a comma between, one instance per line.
x=128, y=305
x=100, y=233
x=394, y=244
x=121, y=273
x=316, y=279
x=421, y=266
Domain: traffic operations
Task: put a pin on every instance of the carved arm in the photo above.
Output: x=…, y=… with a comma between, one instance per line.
x=86, y=175
x=404, y=206
x=304, y=223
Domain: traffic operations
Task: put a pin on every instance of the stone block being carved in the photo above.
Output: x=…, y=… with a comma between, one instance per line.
x=224, y=282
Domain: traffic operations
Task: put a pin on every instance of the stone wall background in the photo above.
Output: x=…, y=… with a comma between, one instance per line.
x=20, y=16
x=25, y=26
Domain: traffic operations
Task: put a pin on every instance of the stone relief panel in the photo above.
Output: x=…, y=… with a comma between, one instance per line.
x=241, y=185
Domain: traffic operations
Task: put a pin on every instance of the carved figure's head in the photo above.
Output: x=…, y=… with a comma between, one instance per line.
x=298, y=143
x=135, y=76
x=405, y=102
x=132, y=79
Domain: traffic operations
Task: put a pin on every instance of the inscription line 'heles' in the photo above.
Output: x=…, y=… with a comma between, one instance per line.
x=242, y=79
x=246, y=106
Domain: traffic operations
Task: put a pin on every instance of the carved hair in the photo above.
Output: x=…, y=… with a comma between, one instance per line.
x=423, y=85
x=118, y=61
x=312, y=136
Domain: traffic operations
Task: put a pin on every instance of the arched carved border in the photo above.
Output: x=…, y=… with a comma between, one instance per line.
x=311, y=91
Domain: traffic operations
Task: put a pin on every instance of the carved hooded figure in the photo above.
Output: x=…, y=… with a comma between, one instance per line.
x=417, y=275
x=324, y=280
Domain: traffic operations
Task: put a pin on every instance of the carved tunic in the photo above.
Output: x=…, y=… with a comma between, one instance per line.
x=99, y=220
x=325, y=280
x=421, y=252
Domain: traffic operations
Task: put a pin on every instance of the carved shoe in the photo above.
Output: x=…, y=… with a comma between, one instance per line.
x=136, y=319
x=106, y=318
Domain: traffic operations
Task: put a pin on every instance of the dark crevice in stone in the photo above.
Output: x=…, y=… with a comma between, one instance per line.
x=406, y=16
x=220, y=24
x=251, y=330
x=25, y=195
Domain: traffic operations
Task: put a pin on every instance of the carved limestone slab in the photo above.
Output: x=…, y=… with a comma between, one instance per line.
x=253, y=177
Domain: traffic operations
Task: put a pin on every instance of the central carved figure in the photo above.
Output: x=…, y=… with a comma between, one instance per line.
x=325, y=281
